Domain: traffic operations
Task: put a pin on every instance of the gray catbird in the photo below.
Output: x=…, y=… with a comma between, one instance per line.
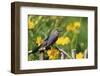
x=52, y=38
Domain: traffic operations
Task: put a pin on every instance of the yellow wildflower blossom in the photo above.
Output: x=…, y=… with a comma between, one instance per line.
x=63, y=40
x=70, y=27
x=73, y=26
x=79, y=55
x=39, y=41
x=31, y=24
x=77, y=25
x=53, y=53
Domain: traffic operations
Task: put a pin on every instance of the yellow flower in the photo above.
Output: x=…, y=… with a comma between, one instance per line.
x=53, y=53
x=63, y=40
x=79, y=55
x=73, y=26
x=77, y=25
x=70, y=27
x=39, y=41
x=31, y=24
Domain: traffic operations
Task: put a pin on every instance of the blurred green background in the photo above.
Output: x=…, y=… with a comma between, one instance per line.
x=73, y=36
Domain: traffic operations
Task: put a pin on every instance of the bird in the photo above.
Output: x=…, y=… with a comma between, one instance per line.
x=51, y=39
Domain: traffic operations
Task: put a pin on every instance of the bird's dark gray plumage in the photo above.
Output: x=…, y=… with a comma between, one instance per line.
x=52, y=38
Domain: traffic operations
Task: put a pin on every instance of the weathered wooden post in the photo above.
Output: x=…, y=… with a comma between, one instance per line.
x=41, y=56
x=62, y=55
x=86, y=53
x=73, y=53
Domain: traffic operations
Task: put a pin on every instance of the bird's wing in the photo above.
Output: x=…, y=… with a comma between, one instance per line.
x=52, y=39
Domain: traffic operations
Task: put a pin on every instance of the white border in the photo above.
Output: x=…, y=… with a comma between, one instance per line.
x=25, y=64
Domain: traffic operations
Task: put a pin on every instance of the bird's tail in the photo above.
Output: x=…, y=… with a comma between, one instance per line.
x=34, y=50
